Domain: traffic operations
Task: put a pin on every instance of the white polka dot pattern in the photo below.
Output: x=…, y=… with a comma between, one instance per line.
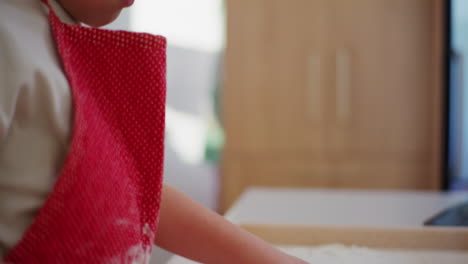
x=104, y=207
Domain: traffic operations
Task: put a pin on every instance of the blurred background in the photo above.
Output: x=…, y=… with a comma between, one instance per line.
x=361, y=94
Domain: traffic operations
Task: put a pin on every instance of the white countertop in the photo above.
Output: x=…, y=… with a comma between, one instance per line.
x=337, y=207
x=340, y=207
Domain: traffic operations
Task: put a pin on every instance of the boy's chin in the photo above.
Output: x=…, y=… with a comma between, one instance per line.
x=100, y=20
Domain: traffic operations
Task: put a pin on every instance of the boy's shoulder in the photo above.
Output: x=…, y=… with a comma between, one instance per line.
x=27, y=52
x=24, y=32
x=21, y=14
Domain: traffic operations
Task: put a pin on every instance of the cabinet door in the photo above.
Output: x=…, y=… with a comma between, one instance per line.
x=279, y=68
x=385, y=89
x=331, y=93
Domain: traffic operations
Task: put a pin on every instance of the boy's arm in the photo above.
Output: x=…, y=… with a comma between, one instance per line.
x=188, y=229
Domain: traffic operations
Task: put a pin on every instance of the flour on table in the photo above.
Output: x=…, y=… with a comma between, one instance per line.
x=340, y=254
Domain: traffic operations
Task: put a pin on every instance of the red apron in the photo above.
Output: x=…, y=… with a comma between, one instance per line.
x=104, y=206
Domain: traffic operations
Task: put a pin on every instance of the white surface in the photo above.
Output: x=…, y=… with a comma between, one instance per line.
x=340, y=207
x=340, y=254
x=337, y=207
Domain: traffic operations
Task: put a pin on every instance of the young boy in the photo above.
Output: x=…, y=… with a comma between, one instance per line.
x=36, y=113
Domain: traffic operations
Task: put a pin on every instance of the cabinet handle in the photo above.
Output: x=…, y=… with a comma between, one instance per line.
x=343, y=83
x=314, y=88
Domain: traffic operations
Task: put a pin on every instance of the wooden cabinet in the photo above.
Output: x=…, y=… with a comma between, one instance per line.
x=332, y=93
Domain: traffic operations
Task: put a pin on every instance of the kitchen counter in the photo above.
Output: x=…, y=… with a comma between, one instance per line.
x=337, y=208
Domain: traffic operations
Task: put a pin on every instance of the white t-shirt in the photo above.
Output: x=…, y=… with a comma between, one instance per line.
x=35, y=114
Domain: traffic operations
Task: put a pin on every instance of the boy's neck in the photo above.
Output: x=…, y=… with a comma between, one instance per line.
x=62, y=13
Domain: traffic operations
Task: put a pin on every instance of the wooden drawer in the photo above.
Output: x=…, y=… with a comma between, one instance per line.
x=326, y=170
